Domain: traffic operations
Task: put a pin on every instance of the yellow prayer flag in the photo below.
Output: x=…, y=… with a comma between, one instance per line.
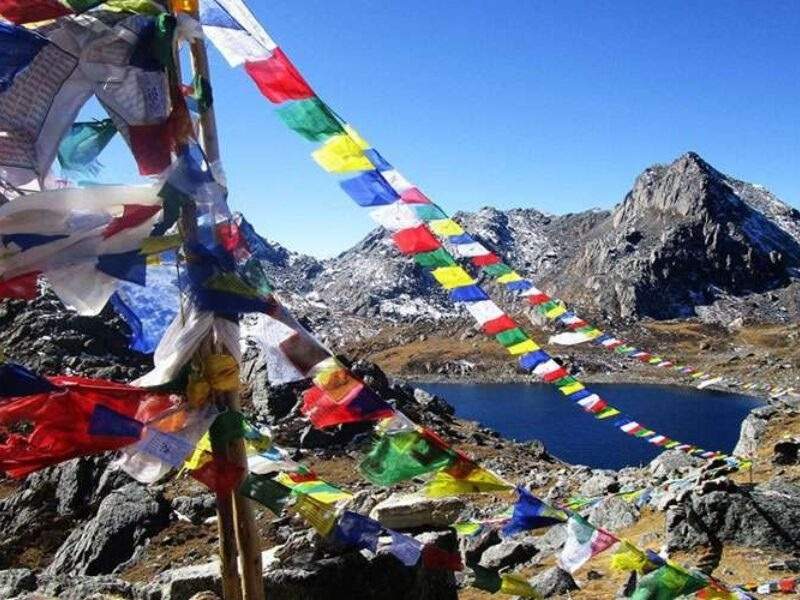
x=445, y=227
x=201, y=454
x=556, y=311
x=340, y=154
x=452, y=277
x=155, y=245
x=628, y=557
x=571, y=388
x=523, y=348
x=516, y=585
x=509, y=277
x=356, y=137
x=479, y=481
x=319, y=515
x=607, y=412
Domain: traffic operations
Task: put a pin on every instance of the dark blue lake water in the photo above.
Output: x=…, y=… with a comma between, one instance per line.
x=538, y=411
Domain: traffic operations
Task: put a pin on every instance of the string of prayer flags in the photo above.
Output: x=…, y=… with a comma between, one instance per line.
x=531, y=513
x=81, y=147
x=267, y=492
x=17, y=381
x=583, y=542
x=668, y=582
x=787, y=585
x=62, y=421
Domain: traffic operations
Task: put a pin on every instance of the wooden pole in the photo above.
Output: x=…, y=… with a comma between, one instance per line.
x=238, y=536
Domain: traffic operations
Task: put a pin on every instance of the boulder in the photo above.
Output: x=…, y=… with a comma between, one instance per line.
x=185, y=582
x=670, y=461
x=473, y=547
x=553, y=581
x=195, y=509
x=14, y=582
x=408, y=511
x=613, y=513
x=508, y=553
x=125, y=519
x=764, y=517
x=551, y=540
x=599, y=484
x=753, y=427
x=786, y=452
x=87, y=588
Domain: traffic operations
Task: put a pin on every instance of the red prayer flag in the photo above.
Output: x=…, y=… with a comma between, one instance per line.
x=60, y=422
x=22, y=287
x=229, y=236
x=415, y=240
x=414, y=196
x=539, y=299
x=31, y=11
x=133, y=215
x=359, y=405
x=499, y=324
x=151, y=146
x=278, y=79
x=219, y=475
x=577, y=324
x=485, y=260
x=434, y=557
x=554, y=375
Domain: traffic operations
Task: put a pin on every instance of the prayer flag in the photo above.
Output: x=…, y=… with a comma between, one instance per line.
x=311, y=118
x=319, y=515
x=105, y=421
x=219, y=475
x=405, y=548
x=308, y=484
x=357, y=531
x=377, y=160
x=668, y=582
x=415, y=240
x=434, y=259
x=509, y=278
x=151, y=146
x=340, y=154
x=403, y=455
x=171, y=449
x=31, y=11
x=516, y=585
x=497, y=270
x=477, y=481
x=278, y=79
x=399, y=183
x=485, y=260
x=511, y=337
x=523, y=347
x=628, y=557
x=531, y=360
x=445, y=227
x=18, y=47
x=61, y=422
x=472, y=250
x=360, y=404
x=468, y=293
x=485, y=312
x=498, y=325
x=132, y=216
x=395, y=217
x=234, y=30
x=429, y=212
x=266, y=491
x=16, y=381
x=583, y=542
x=21, y=287
x=369, y=189
x=80, y=148
x=436, y=558
x=414, y=196
x=452, y=277
x=531, y=513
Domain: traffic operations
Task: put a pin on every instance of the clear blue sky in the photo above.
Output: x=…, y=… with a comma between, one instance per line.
x=512, y=103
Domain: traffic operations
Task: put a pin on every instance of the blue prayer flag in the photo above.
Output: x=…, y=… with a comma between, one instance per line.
x=369, y=189
x=519, y=286
x=377, y=160
x=26, y=241
x=357, y=531
x=405, y=548
x=105, y=421
x=128, y=266
x=468, y=293
x=463, y=238
x=532, y=513
x=529, y=361
x=213, y=15
x=16, y=380
x=18, y=47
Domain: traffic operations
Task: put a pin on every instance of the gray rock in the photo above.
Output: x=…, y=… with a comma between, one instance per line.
x=14, y=582
x=753, y=427
x=553, y=581
x=87, y=588
x=551, y=540
x=613, y=513
x=764, y=517
x=670, y=461
x=600, y=483
x=407, y=511
x=195, y=508
x=185, y=582
x=125, y=519
x=508, y=553
x=473, y=547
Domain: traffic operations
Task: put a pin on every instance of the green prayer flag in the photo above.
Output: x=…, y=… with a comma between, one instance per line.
x=401, y=456
x=486, y=579
x=203, y=94
x=228, y=426
x=668, y=582
x=139, y=7
x=435, y=259
x=80, y=6
x=497, y=269
x=266, y=491
x=80, y=148
x=509, y=337
x=310, y=118
x=253, y=273
x=162, y=48
x=429, y=212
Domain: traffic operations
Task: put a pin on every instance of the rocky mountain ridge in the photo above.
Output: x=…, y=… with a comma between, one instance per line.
x=686, y=241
